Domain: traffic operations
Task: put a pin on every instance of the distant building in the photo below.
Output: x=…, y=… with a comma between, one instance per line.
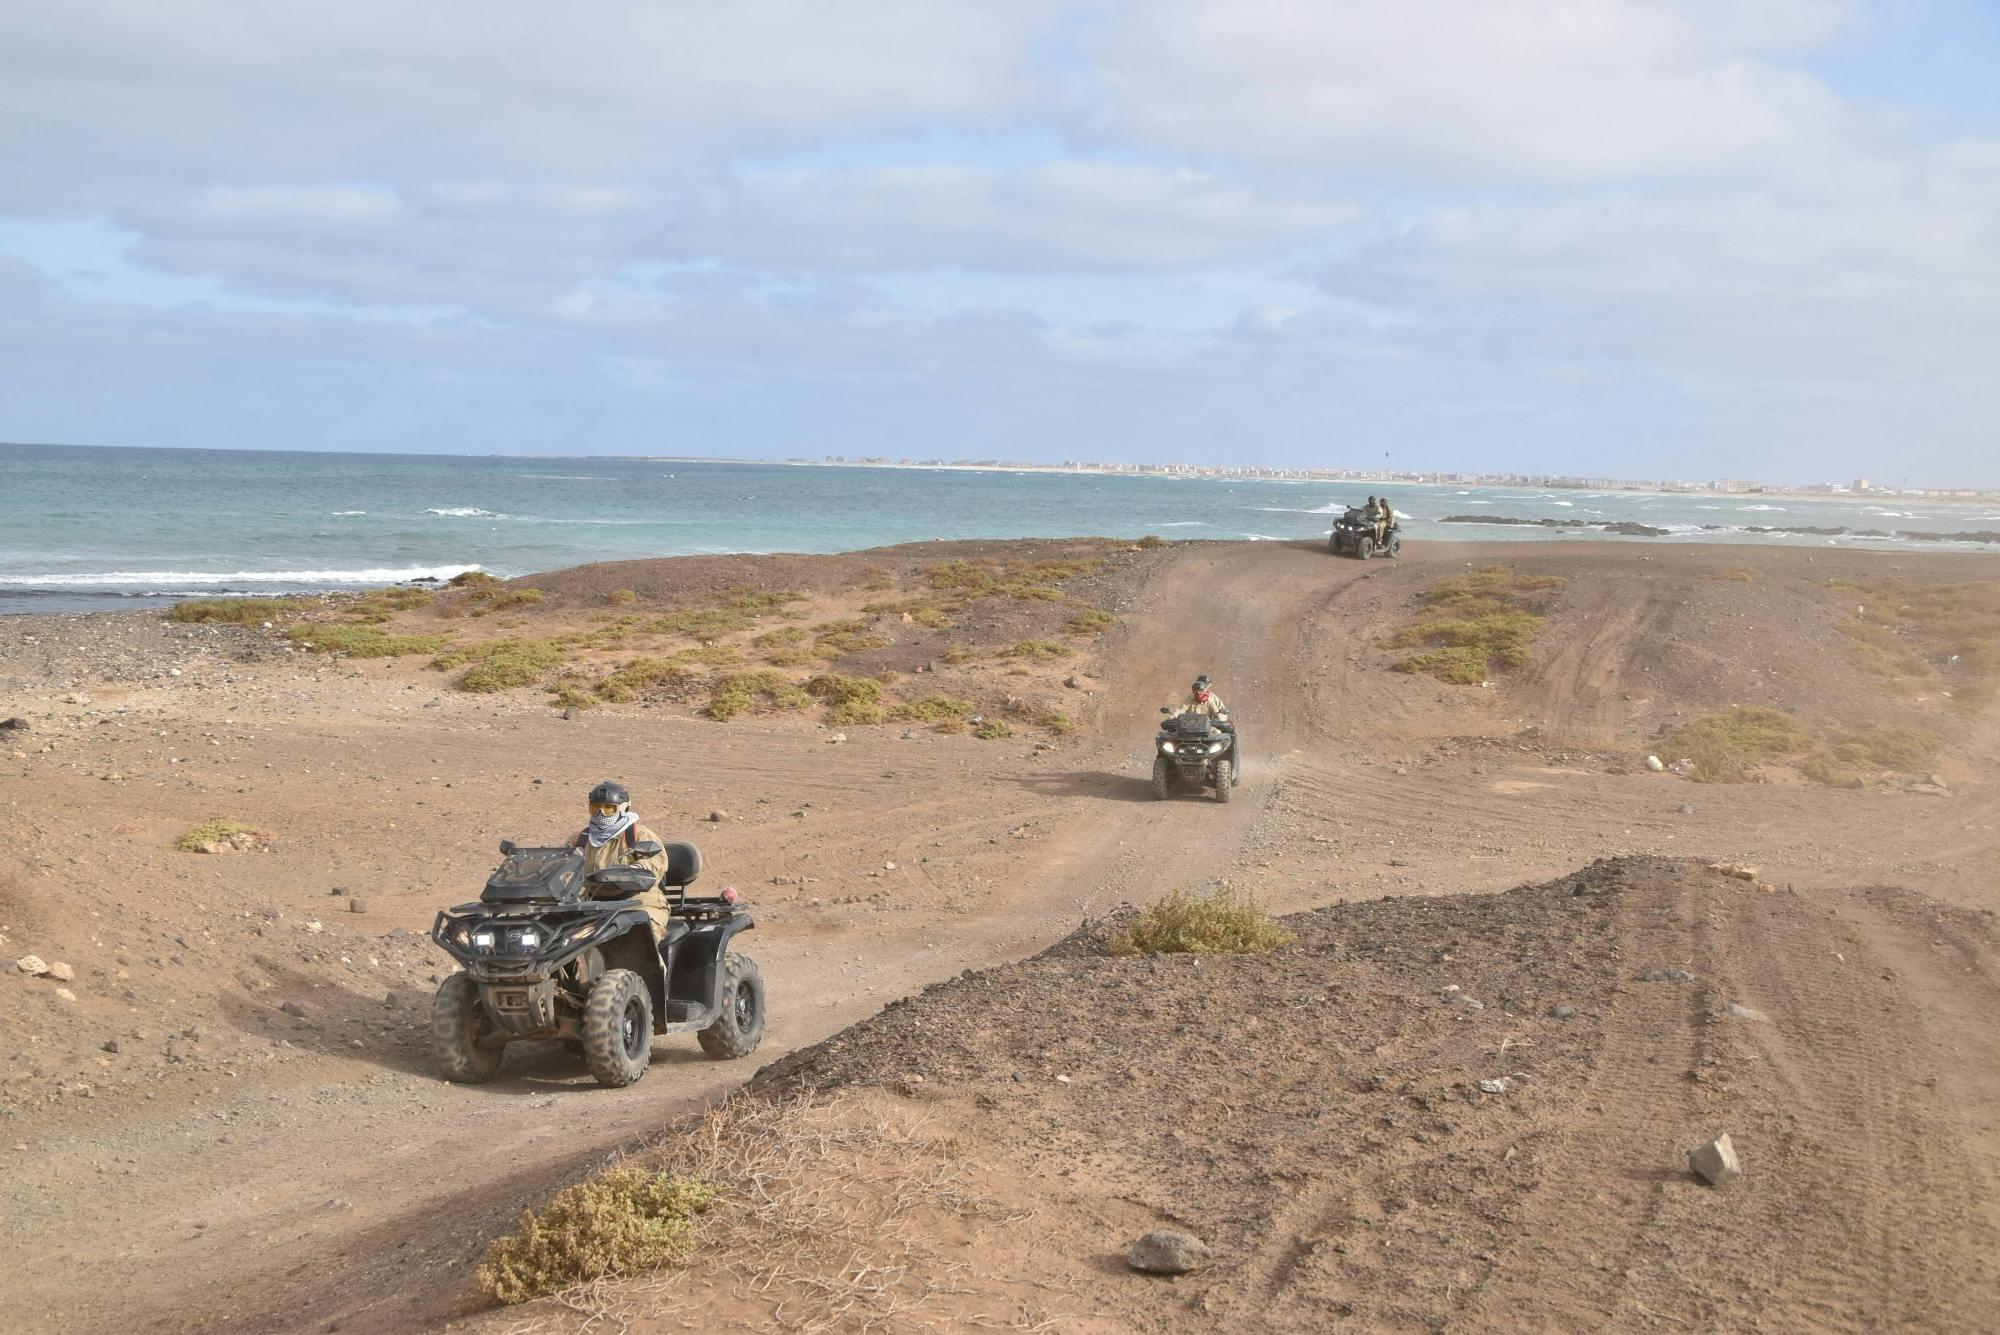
x=1863, y=484
x=1732, y=484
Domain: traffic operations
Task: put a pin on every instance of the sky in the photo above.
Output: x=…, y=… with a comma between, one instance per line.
x=1637, y=238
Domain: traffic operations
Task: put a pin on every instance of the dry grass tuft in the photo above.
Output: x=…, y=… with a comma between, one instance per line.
x=1040, y=651
x=364, y=641
x=1218, y=923
x=624, y=1221
x=472, y=579
x=738, y=692
x=1091, y=622
x=1152, y=540
x=993, y=730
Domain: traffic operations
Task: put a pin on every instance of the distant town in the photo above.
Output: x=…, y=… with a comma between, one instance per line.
x=1546, y=481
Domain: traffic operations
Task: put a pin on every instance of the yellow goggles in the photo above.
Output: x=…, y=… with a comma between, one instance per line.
x=603, y=808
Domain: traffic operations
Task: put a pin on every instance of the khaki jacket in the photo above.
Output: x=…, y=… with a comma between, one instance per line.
x=618, y=853
x=1213, y=707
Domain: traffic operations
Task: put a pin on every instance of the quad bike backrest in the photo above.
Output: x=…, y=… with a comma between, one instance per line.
x=535, y=875
x=683, y=865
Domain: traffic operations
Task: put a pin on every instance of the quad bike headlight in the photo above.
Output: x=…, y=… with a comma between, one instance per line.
x=1168, y=747
x=483, y=940
x=1213, y=747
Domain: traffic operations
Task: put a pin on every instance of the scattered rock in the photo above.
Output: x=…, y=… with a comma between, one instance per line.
x=293, y=1009
x=110, y=1045
x=836, y=739
x=1666, y=976
x=13, y=725
x=1736, y=1012
x=1686, y=809
x=1655, y=764
x=1069, y=681
x=357, y=906
x=1167, y=1251
x=1716, y=1161
x=1562, y=1012
x=717, y=817
x=62, y=973
x=1741, y=873
x=1497, y=1085
x=31, y=965
x=65, y=994
x=1464, y=1003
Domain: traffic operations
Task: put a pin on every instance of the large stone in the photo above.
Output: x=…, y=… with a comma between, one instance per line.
x=32, y=965
x=1716, y=1162
x=1167, y=1251
x=1655, y=764
x=1736, y=1012
x=62, y=973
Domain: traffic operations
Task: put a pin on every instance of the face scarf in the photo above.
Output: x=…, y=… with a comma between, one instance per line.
x=603, y=829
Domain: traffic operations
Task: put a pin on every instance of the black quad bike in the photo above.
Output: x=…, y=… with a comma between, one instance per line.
x=548, y=953
x=1354, y=535
x=1195, y=751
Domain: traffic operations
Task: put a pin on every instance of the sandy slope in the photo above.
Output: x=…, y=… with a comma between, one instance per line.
x=274, y=1172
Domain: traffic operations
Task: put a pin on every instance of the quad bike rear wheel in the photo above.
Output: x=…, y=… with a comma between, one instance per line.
x=618, y=1028
x=1395, y=547
x=1364, y=548
x=1163, y=779
x=739, y=1025
x=463, y=1039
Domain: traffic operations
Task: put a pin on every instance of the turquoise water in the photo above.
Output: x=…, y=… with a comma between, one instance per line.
x=99, y=528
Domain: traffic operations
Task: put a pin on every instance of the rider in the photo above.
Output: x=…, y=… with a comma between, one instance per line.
x=1384, y=521
x=1202, y=699
x=612, y=836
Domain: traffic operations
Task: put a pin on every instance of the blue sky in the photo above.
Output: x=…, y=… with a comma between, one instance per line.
x=1652, y=240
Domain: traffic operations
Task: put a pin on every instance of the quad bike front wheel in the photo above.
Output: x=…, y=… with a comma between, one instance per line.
x=618, y=1028
x=1224, y=787
x=1395, y=547
x=1163, y=779
x=739, y=1025
x=1364, y=548
x=464, y=1042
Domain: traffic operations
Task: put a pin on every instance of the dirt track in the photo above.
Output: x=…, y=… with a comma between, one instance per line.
x=283, y=1173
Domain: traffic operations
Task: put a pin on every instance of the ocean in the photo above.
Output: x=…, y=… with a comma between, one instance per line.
x=89, y=528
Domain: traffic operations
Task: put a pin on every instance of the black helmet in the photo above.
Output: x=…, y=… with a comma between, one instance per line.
x=610, y=791
x=1201, y=682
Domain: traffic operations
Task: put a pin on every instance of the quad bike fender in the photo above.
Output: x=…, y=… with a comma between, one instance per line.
x=697, y=976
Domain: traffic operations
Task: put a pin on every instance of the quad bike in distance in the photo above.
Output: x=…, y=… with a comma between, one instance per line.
x=548, y=953
x=1195, y=751
x=1354, y=535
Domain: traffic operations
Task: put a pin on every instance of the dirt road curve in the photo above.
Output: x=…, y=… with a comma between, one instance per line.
x=315, y=1175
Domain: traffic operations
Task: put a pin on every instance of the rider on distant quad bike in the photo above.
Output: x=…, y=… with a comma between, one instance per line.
x=1201, y=700
x=610, y=838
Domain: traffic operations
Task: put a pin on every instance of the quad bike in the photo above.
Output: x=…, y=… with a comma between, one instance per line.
x=1354, y=535
x=548, y=953
x=1195, y=751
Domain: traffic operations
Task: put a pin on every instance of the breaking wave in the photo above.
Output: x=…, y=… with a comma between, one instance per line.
x=204, y=579
x=464, y=512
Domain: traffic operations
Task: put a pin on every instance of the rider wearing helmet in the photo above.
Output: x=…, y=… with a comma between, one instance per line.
x=1202, y=699
x=611, y=838
x=1384, y=521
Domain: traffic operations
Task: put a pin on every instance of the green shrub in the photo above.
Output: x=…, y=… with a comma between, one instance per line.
x=1474, y=625
x=239, y=611
x=1040, y=650
x=1215, y=924
x=1152, y=540
x=1057, y=722
x=624, y=1221
x=740, y=691
x=472, y=579
x=993, y=730
x=497, y=665
x=1887, y=748
x=955, y=654
x=622, y=597
x=833, y=639
x=1722, y=746
x=364, y=641
x=932, y=709
x=516, y=598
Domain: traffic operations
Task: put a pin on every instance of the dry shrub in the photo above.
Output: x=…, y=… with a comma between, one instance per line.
x=1218, y=923
x=621, y=597
x=1040, y=651
x=957, y=654
x=1152, y=540
x=832, y=639
x=849, y=700
x=214, y=832
x=498, y=665
x=517, y=598
x=1057, y=722
x=932, y=709
x=828, y=1213
x=624, y=1221
x=993, y=730
x=472, y=579
x=1091, y=622
x=1722, y=746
